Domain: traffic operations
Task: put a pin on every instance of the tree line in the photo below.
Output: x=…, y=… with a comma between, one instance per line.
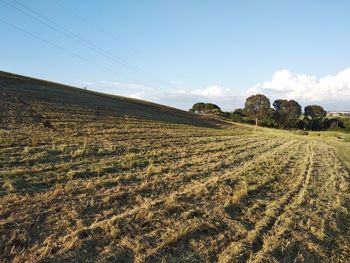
x=284, y=114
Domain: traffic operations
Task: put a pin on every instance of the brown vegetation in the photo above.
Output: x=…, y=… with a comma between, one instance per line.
x=105, y=187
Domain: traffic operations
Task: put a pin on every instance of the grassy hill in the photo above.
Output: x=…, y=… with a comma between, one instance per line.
x=88, y=177
x=28, y=100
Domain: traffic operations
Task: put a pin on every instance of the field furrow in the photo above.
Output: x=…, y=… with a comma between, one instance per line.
x=122, y=189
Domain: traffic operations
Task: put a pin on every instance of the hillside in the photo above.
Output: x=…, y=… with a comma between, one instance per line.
x=88, y=177
x=29, y=101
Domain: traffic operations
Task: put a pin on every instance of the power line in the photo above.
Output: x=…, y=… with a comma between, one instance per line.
x=97, y=28
x=63, y=48
x=68, y=33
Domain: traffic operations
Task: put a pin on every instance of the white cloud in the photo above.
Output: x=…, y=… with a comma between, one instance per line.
x=138, y=95
x=285, y=84
x=225, y=98
x=124, y=85
x=212, y=91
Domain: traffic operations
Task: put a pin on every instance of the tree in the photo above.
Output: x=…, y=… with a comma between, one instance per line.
x=257, y=107
x=269, y=119
x=198, y=107
x=237, y=115
x=211, y=108
x=287, y=113
x=315, y=112
x=316, y=115
x=240, y=112
x=206, y=108
x=334, y=123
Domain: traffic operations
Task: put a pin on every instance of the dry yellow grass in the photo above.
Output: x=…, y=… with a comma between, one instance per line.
x=103, y=187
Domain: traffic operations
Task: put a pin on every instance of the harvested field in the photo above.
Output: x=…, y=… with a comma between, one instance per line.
x=106, y=185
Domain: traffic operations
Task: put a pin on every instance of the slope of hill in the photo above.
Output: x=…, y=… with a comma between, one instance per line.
x=82, y=182
x=27, y=100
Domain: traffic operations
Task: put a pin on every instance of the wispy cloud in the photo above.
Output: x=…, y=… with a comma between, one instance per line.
x=124, y=85
x=214, y=91
x=332, y=91
x=137, y=95
x=184, y=99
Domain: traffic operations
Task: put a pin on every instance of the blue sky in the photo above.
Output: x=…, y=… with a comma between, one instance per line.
x=180, y=52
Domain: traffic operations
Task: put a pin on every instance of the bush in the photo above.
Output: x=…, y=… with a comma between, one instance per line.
x=299, y=132
x=206, y=108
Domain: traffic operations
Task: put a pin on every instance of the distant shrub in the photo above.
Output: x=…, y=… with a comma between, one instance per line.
x=237, y=115
x=206, y=108
x=299, y=132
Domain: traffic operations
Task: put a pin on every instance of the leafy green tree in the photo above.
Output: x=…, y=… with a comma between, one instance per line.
x=269, y=118
x=198, y=107
x=239, y=111
x=334, y=123
x=257, y=107
x=237, y=115
x=287, y=113
x=206, y=108
x=212, y=108
x=315, y=112
x=316, y=115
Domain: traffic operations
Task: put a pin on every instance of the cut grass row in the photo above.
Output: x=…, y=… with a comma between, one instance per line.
x=227, y=197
